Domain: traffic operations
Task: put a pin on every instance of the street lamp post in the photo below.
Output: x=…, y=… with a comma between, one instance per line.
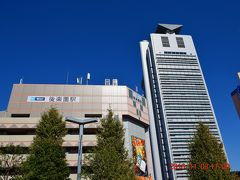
x=81, y=122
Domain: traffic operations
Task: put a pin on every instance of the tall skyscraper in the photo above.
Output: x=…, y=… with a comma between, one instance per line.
x=177, y=97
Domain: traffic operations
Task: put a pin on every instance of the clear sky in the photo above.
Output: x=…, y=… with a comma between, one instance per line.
x=43, y=40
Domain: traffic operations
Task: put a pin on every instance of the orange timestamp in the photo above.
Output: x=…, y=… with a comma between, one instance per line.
x=201, y=166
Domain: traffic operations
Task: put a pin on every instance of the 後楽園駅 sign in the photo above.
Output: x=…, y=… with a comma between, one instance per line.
x=60, y=99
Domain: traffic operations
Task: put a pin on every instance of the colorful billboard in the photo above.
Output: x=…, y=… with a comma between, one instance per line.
x=139, y=156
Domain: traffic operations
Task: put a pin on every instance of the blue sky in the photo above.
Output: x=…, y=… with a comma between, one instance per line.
x=43, y=40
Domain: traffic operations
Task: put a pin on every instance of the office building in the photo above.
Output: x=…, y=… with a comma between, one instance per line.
x=236, y=97
x=177, y=97
x=29, y=101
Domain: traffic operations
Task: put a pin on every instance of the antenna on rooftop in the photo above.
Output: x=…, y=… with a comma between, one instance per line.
x=21, y=81
x=79, y=80
x=67, y=78
x=88, y=77
x=136, y=89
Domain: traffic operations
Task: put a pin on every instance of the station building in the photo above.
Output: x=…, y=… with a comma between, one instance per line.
x=28, y=101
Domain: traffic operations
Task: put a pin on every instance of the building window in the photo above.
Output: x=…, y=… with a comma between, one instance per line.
x=20, y=115
x=73, y=169
x=180, y=42
x=130, y=93
x=143, y=102
x=134, y=103
x=165, y=42
x=93, y=115
x=139, y=113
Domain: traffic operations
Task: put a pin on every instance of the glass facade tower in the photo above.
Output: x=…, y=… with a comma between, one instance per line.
x=177, y=97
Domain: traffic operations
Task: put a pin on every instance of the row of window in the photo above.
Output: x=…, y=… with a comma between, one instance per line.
x=186, y=86
x=187, y=109
x=181, y=90
x=173, y=53
x=182, y=72
x=164, y=72
x=135, y=105
x=195, y=111
x=185, y=98
x=67, y=149
x=183, y=77
x=177, y=60
x=185, y=93
x=177, y=69
x=28, y=115
x=179, y=40
x=136, y=97
x=31, y=131
x=190, y=123
x=174, y=115
x=180, y=58
x=180, y=82
x=177, y=66
x=178, y=121
x=186, y=64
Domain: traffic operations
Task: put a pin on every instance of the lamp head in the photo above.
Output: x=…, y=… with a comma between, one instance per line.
x=80, y=120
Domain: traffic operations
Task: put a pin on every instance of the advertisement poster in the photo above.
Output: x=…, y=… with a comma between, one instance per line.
x=139, y=156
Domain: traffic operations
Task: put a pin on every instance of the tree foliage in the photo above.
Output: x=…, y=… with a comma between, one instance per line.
x=207, y=158
x=109, y=159
x=11, y=158
x=47, y=159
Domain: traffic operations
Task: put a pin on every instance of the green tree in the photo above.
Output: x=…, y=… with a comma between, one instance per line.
x=109, y=159
x=47, y=159
x=207, y=158
x=11, y=158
